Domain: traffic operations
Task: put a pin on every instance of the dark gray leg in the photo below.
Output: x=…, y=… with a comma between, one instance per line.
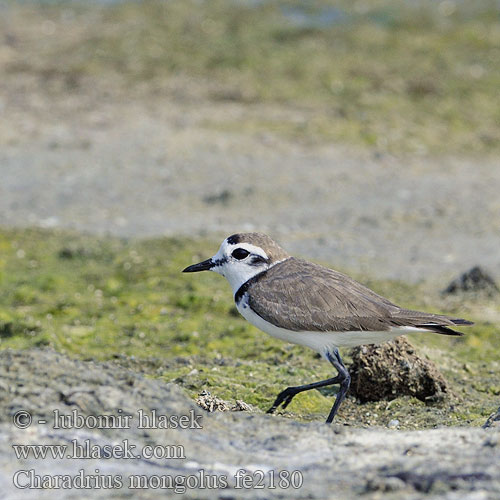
x=343, y=378
x=345, y=382
x=285, y=397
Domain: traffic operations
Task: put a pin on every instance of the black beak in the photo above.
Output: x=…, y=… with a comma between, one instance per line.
x=206, y=265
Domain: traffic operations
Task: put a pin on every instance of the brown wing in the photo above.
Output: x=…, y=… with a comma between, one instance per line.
x=302, y=296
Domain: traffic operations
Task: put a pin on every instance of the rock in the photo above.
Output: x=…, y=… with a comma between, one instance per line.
x=41, y=381
x=241, y=406
x=493, y=420
x=393, y=369
x=211, y=403
x=324, y=461
x=223, y=198
x=384, y=484
x=475, y=280
x=393, y=424
x=9, y=329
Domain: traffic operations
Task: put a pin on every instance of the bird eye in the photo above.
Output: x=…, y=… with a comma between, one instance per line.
x=240, y=253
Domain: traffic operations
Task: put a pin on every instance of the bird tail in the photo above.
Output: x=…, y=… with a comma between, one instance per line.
x=434, y=322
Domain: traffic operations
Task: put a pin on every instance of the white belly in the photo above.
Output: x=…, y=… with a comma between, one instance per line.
x=321, y=342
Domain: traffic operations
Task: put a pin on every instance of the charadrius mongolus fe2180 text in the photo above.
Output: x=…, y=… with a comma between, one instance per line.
x=307, y=304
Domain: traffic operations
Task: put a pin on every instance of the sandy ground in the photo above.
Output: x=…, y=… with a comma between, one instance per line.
x=136, y=164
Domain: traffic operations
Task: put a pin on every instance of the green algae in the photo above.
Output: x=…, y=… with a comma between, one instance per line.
x=412, y=76
x=128, y=302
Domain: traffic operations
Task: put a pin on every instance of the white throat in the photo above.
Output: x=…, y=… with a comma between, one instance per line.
x=237, y=275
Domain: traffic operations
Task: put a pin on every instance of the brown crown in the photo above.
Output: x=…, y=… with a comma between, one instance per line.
x=272, y=249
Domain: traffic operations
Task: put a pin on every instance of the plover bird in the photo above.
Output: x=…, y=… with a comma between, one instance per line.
x=310, y=305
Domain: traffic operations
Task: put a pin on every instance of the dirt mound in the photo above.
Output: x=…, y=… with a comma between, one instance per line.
x=394, y=369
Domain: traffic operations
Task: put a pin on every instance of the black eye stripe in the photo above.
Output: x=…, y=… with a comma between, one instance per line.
x=257, y=259
x=240, y=253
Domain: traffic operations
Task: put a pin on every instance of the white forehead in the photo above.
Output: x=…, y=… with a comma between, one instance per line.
x=226, y=249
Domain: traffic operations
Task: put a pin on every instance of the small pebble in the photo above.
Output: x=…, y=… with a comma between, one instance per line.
x=393, y=423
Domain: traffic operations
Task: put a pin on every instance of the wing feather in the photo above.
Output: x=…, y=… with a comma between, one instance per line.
x=302, y=296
